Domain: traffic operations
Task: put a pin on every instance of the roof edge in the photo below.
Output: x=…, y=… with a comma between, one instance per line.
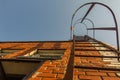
x=32, y=41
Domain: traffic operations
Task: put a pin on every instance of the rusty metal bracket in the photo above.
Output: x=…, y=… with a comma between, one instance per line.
x=102, y=28
x=92, y=5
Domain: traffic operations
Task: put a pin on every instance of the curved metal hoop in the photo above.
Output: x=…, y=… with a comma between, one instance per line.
x=89, y=21
x=92, y=4
x=81, y=23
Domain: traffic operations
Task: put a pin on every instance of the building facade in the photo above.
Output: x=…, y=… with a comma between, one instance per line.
x=58, y=60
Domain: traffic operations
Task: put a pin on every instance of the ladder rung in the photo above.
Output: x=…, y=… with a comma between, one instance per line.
x=91, y=50
x=97, y=56
x=98, y=68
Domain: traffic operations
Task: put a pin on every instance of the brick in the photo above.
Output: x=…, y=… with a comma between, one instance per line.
x=49, y=75
x=61, y=66
x=96, y=73
x=64, y=58
x=35, y=74
x=118, y=74
x=109, y=71
x=112, y=74
x=52, y=68
x=106, y=63
x=42, y=68
x=60, y=76
x=56, y=62
x=50, y=79
x=47, y=62
x=64, y=62
x=86, y=64
x=91, y=70
x=84, y=61
x=111, y=78
x=60, y=70
x=75, y=77
x=84, y=77
x=48, y=65
x=79, y=73
x=76, y=70
x=45, y=71
x=36, y=78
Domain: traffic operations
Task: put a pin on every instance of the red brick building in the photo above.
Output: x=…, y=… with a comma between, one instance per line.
x=82, y=58
x=58, y=60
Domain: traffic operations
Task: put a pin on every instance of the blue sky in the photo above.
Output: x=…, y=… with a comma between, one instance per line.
x=34, y=20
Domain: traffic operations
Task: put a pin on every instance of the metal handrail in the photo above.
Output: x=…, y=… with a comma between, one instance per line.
x=92, y=5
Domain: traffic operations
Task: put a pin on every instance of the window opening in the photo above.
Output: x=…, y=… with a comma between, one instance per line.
x=45, y=54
